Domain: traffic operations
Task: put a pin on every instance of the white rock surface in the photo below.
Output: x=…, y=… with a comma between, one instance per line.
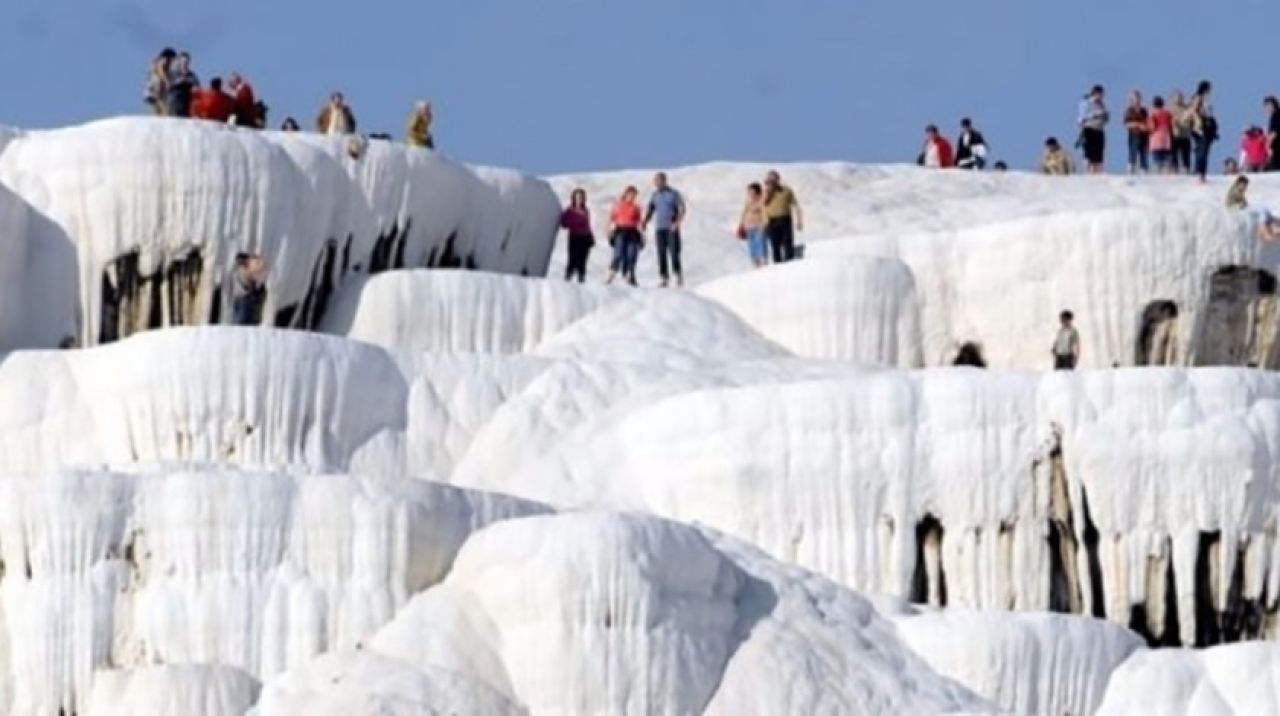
x=162, y=690
x=1024, y=663
x=205, y=565
x=1225, y=681
x=647, y=616
x=184, y=197
x=994, y=257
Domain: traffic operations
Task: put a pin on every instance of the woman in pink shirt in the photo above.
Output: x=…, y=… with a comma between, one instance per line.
x=576, y=220
x=625, y=236
x=1161, y=141
x=1254, y=148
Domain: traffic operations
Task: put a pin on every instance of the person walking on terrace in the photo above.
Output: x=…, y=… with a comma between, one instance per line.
x=576, y=220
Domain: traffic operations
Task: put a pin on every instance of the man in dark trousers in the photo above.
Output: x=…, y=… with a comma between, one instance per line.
x=666, y=211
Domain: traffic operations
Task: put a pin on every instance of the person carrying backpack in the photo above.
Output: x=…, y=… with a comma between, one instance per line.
x=1204, y=128
x=183, y=84
x=666, y=211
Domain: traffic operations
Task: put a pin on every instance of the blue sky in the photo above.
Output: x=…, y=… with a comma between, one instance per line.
x=568, y=85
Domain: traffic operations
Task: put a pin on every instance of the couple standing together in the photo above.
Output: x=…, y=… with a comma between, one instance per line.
x=770, y=221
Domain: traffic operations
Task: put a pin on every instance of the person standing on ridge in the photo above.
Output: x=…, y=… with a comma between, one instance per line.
x=1161, y=139
x=625, y=236
x=1066, y=346
x=418, y=131
x=1272, y=106
x=1203, y=127
x=1138, y=123
x=937, y=152
x=213, y=104
x=751, y=226
x=576, y=219
x=666, y=211
x=157, y=95
x=1178, y=107
x=246, y=104
x=782, y=210
x=971, y=147
x=1055, y=161
x=182, y=86
x=336, y=119
x=1093, y=118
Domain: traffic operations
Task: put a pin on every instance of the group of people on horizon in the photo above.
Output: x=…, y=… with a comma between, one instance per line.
x=174, y=90
x=770, y=218
x=1173, y=136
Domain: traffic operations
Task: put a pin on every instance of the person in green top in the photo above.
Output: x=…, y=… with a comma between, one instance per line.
x=782, y=210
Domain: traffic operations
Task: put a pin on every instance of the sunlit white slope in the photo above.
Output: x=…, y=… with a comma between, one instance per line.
x=1224, y=681
x=610, y=613
x=996, y=257
x=861, y=309
x=189, y=689
x=206, y=565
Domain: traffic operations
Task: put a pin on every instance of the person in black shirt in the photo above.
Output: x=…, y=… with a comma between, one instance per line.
x=971, y=147
x=1272, y=106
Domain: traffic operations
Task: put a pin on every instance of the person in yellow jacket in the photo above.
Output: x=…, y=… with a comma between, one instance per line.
x=419, y=128
x=1055, y=161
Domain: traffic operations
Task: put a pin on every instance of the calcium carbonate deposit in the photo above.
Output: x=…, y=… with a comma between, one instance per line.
x=436, y=479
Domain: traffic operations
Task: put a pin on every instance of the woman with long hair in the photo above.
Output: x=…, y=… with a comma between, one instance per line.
x=1204, y=128
x=576, y=219
x=158, y=82
x=624, y=234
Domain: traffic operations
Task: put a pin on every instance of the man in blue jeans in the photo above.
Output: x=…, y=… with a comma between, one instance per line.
x=666, y=211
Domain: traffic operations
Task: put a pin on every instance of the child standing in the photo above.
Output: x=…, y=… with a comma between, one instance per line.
x=1066, y=347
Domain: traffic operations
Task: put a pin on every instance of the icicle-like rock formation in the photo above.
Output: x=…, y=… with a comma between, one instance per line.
x=247, y=396
x=140, y=219
x=861, y=310
x=204, y=565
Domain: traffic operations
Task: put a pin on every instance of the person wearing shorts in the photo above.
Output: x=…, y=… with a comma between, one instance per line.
x=1093, y=119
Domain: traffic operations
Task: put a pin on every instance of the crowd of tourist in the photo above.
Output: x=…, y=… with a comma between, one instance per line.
x=173, y=89
x=771, y=216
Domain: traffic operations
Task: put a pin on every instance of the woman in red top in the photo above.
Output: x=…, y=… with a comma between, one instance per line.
x=625, y=236
x=1161, y=138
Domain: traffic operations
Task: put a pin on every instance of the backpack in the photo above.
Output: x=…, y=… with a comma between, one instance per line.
x=1209, y=129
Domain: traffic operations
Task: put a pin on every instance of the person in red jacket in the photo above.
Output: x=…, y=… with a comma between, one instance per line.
x=213, y=104
x=246, y=104
x=937, y=153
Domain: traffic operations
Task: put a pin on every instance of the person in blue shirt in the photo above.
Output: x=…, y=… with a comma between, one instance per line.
x=666, y=211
